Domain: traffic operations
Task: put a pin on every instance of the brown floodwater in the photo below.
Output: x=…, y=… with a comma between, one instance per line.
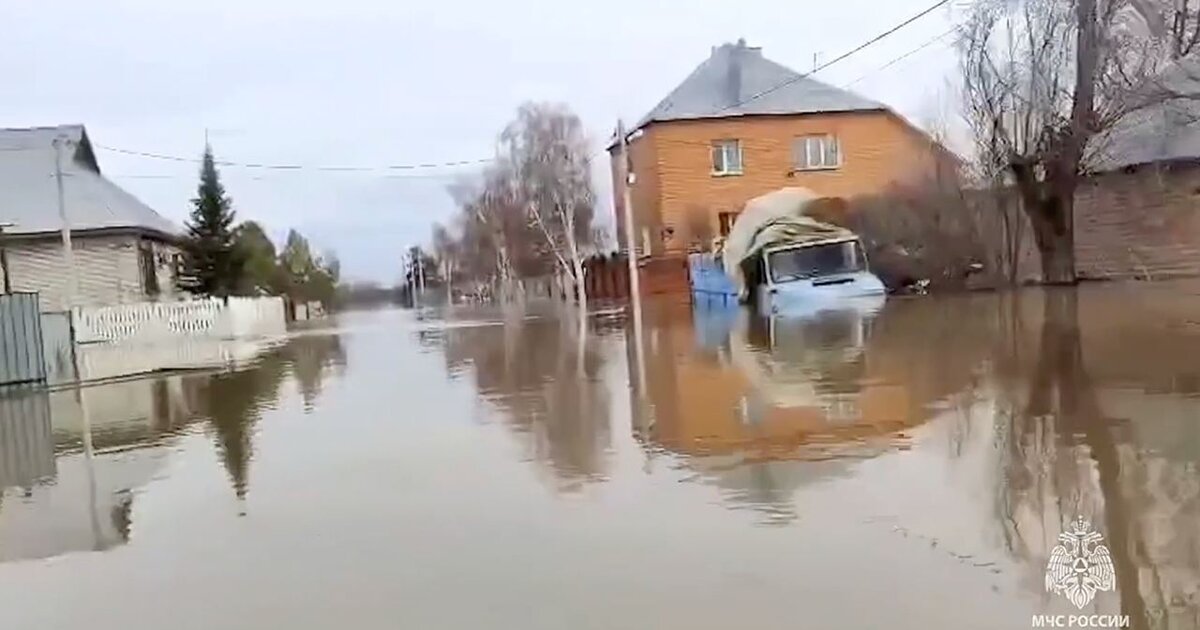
x=909, y=466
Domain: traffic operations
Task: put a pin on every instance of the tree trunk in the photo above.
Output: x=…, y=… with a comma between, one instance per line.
x=580, y=282
x=1054, y=234
x=1057, y=252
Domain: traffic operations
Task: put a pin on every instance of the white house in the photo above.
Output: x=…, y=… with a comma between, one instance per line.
x=124, y=251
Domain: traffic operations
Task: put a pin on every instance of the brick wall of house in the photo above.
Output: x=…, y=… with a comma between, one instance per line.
x=644, y=192
x=673, y=165
x=1143, y=224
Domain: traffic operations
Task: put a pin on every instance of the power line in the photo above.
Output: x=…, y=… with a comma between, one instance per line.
x=906, y=55
x=297, y=167
x=192, y=177
x=841, y=57
x=456, y=163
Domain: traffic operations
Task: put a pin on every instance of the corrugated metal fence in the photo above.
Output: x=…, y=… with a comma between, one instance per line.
x=21, y=359
x=26, y=442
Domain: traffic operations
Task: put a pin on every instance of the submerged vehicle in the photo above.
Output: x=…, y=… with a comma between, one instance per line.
x=779, y=258
x=809, y=274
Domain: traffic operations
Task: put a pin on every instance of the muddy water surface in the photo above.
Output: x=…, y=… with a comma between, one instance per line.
x=909, y=466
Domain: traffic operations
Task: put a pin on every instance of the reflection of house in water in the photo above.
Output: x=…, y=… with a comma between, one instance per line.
x=754, y=404
x=75, y=488
x=85, y=503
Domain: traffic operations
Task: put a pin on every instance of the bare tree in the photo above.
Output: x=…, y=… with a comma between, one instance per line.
x=1044, y=81
x=445, y=250
x=1177, y=22
x=493, y=230
x=549, y=155
x=528, y=213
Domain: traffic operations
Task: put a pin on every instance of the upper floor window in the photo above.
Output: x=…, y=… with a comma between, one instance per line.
x=816, y=152
x=727, y=157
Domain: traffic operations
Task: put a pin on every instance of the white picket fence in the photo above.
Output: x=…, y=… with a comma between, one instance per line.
x=165, y=321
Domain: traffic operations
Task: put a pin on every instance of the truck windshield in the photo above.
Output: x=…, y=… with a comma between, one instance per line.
x=817, y=260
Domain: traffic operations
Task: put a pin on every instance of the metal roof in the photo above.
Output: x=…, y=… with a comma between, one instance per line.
x=1167, y=131
x=736, y=80
x=29, y=197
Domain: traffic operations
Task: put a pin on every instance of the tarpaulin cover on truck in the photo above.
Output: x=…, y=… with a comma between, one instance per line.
x=776, y=218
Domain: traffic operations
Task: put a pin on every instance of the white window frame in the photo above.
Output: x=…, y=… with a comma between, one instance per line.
x=811, y=152
x=726, y=148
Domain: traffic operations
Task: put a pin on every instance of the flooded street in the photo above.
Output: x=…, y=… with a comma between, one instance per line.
x=903, y=467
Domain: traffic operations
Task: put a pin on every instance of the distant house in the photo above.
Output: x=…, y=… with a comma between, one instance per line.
x=741, y=125
x=124, y=251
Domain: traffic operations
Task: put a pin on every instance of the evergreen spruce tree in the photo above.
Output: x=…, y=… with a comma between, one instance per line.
x=212, y=261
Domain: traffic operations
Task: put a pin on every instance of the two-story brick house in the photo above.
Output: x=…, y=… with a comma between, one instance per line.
x=741, y=125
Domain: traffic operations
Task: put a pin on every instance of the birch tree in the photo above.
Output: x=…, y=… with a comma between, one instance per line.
x=445, y=250
x=548, y=153
x=496, y=243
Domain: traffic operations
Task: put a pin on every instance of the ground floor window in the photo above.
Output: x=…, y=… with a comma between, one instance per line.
x=725, y=221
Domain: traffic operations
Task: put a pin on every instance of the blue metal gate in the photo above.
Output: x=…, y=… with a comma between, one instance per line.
x=21, y=357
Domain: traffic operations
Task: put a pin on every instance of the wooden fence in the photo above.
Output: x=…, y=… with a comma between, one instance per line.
x=607, y=277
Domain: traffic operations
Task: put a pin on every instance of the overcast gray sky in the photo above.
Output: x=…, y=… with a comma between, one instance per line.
x=372, y=83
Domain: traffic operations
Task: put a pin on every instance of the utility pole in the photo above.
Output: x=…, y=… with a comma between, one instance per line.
x=421, y=270
x=6, y=287
x=68, y=298
x=631, y=257
x=410, y=276
x=627, y=201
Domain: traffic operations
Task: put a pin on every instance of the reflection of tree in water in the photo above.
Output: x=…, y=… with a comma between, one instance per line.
x=546, y=385
x=311, y=358
x=1064, y=457
x=234, y=401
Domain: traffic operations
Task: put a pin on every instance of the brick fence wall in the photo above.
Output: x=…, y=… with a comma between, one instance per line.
x=1143, y=223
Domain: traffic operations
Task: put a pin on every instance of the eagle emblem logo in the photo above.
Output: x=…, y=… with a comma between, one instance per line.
x=1080, y=565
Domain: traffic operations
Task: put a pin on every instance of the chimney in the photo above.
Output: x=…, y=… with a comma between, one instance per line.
x=733, y=76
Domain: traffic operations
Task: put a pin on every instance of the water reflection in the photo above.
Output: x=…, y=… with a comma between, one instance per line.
x=233, y=402
x=1086, y=407
x=544, y=377
x=72, y=461
x=905, y=467
x=1101, y=421
x=978, y=425
x=752, y=403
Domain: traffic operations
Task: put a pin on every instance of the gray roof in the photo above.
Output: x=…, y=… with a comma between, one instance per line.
x=29, y=197
x=1167, y=131
x=736, y=80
